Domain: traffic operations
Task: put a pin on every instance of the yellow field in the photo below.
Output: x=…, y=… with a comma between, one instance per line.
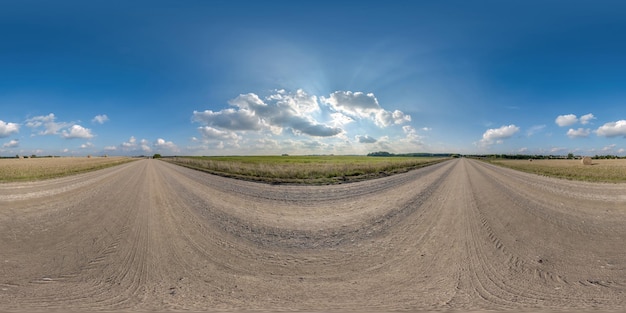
x=602, y=170
x=44, y=168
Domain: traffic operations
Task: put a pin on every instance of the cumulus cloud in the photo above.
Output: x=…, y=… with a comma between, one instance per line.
x=365, y=139
x=48, y=125
x=47, y=122
x=578, y=133
x=132, y=146
x=6, y=129
x=277, y=112
x=361, y=105
x=38, y=121
x=586, y=119
x=144, y=145
x=412, y=137
x=609, y=147
x=77, y=131
x=340, y=120
x=230, y=119
x=11, y=144
x=566, y=120
x=132, y=142
x=209, y=132
x=497, y=135
x=100, y=119
x=612, y=129
x=571, y=119
x=86, y=145
x=162, y=144
x=283, y=114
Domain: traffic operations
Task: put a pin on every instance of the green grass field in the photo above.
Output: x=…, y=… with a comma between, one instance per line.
x=304, y=169
x=610, y=171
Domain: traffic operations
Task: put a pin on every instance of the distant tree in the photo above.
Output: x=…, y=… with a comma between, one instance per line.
x=156, y=156
x=570, y=156
x=380, y=153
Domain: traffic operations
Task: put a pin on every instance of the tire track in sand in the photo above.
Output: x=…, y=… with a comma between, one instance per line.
x=459, y=235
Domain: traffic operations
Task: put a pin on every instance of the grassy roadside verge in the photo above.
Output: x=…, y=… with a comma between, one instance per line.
x=607, y=171
x=17, y=170
x=313, y=170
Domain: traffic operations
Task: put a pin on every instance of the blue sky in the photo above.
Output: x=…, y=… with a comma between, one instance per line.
x=312, y=77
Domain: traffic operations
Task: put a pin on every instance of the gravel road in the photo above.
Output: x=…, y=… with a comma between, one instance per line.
x=459, y=235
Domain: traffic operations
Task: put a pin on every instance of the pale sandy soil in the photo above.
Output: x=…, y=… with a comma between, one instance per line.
x=460, y=235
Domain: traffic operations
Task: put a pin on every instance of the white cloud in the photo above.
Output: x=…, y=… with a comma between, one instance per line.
x=230, y=119
x=321, y=123
x=427, y=129
x=571, y=119
x=130, y=143
x=365, y=139
x=77, y=131
x=566, y=120
x=38, y=121
x=6, y=129
x=132, y=146
x=609, y=147
x=578, y=133
x=48, y=122
x=412, y=139
x=300, y=101
x=266, y=144
x=162, y=144
x=612, y=129
x=585, y=119
x=11, y=144
x=277, y=112
x=340, y=120
x=110, y=148
x=48, y=125
x=361, y=105
x=144, y=145
x=209, y=132
x=86, y=145
x=497, y=135
x=100, y=119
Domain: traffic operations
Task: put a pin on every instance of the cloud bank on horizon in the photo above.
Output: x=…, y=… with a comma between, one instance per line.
x=531, y=77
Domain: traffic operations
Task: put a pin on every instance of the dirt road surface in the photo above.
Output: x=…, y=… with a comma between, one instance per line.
x=459, y=235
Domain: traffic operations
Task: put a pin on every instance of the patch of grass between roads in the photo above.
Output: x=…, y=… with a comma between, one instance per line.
x=316, y=170
x=609, y=171
x=30, y=169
